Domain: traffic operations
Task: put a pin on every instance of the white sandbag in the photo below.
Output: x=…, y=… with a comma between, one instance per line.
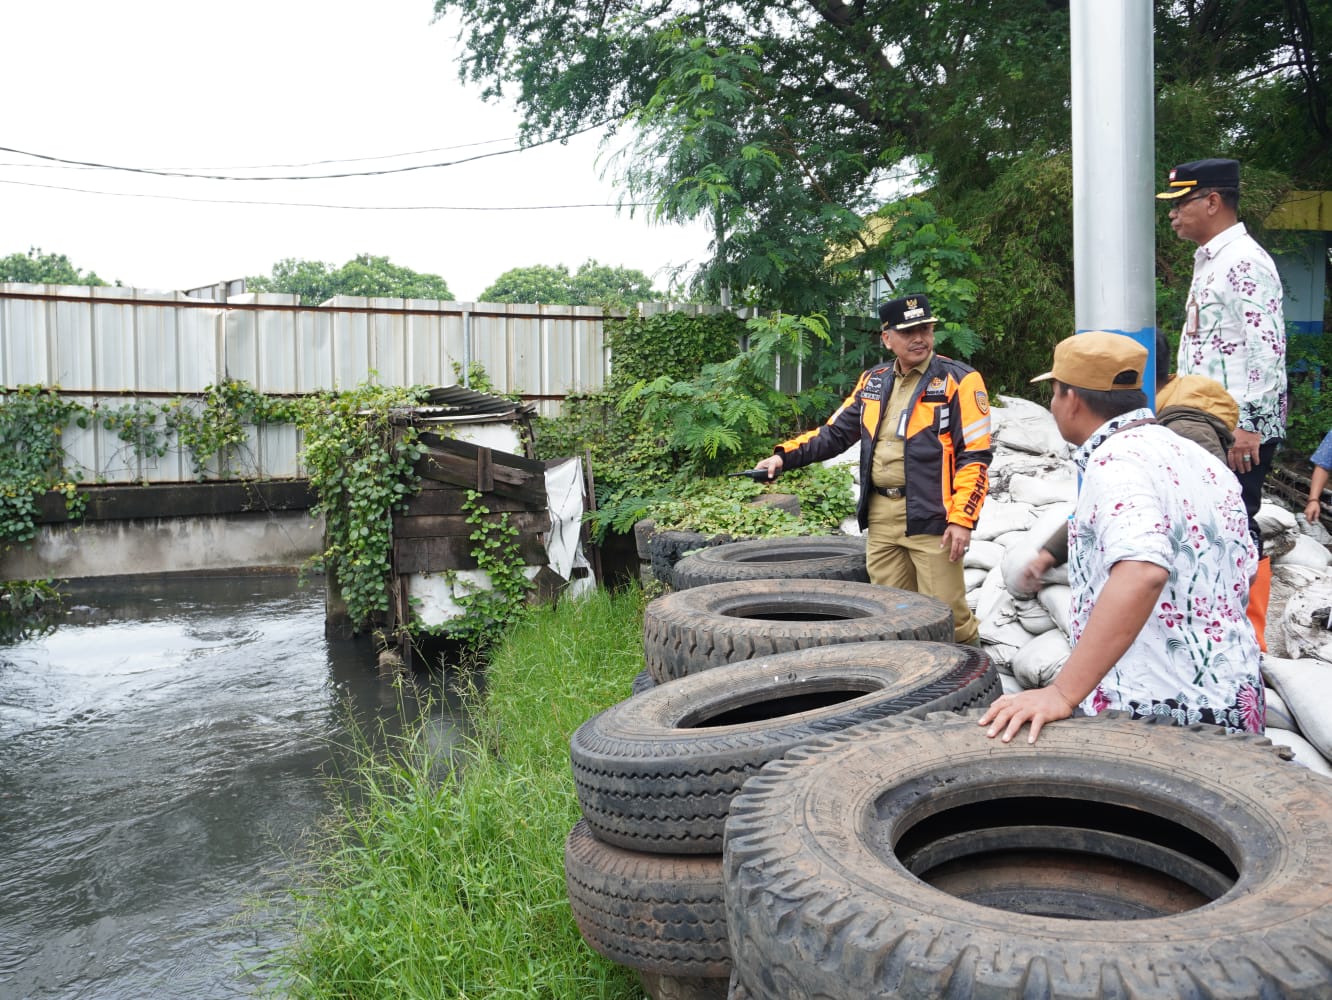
x=1294, y=576
x=1057, y=599
x=1003, y=632
x=1016, y=559
x=1048, y=518
x=1305, y=752
x=1009, y=684
x=991, y=592
x=1304, y=552
x=1025, y=426
x=998, y=517
x=1305, y=619
x=1032, y=616
x=982, y=554
x=972, y=580
x=1279, y=528
x=1278, y=714
x=1042, y=490
x=850, y=526
x=1306, y=687
x=1009, y=538
x=1037, y=663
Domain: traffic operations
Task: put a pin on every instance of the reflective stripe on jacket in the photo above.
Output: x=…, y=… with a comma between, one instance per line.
x=947, y=448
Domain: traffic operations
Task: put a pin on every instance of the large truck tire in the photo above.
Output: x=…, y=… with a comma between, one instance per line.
x=657, y=771
x=1115, y=858
x=689, y=631
x=831, y=557
x=652, y=912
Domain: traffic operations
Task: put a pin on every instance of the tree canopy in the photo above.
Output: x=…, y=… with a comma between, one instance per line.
x=784, y=125
x=35, y=267
x=316, y=281
x=592, y=285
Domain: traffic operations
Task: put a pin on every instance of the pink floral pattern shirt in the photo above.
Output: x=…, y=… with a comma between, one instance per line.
x=1234, y=330
x=1149, y=495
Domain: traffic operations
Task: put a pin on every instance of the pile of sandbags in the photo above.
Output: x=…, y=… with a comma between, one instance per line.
x=1033, y=489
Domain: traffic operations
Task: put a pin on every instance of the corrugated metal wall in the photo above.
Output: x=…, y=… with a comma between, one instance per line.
x=107, y=346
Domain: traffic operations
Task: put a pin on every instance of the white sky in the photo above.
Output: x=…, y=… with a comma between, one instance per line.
x=176, y=83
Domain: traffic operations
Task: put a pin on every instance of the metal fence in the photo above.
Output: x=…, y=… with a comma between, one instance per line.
x=105, y=347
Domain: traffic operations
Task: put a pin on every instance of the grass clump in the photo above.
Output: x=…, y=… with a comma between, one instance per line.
x=444, y=878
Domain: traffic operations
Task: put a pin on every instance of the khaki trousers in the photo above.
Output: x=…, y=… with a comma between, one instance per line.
x=915, y=562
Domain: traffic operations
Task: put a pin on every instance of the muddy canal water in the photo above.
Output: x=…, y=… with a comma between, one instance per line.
x=162, y=760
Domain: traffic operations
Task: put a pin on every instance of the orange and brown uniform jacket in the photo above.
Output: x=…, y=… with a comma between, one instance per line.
x=947, y=444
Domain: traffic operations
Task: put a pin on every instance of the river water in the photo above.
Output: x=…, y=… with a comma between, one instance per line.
x=162, y=760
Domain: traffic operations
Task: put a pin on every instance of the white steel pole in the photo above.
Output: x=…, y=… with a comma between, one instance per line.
x=1114, y=171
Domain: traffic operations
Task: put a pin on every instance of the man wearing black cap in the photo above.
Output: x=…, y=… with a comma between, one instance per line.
x=923, y=423
x=1234, y=331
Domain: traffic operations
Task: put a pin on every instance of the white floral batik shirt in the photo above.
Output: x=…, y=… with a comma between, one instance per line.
x=1149, y=495
x=1234, y=331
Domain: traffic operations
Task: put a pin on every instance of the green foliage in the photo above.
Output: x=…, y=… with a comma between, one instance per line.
x=488, y=612
x=139, y=425
x=725, y=506
x=593, y=285
x=215, y=427
x=29, y=609
x=316, y=281
x=362, y=469
x=673, y=345
x=1309, y=359
x=731, y=409
x=39, y=268
x=32, y=456
x=443, y=878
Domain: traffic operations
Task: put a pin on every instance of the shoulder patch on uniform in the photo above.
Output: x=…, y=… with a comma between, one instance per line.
x=982, y=401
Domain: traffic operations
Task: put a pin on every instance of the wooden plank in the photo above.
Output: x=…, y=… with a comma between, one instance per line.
x=532, y=523
x=464, y=472
x=485, y=471
x=435, y=555
x=466, y=449
x=120, y=503
x=448, y=501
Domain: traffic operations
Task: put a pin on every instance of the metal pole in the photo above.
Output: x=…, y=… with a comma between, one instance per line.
x=1114, y=171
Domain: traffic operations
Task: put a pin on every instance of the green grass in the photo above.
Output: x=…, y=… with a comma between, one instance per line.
x=432, y=883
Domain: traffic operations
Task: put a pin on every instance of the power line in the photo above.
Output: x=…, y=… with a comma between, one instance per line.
x=299, y=177
x=353, y=208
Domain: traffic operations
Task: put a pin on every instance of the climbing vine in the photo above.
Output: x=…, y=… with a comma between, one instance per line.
x=215, y=427
x=32, y=457
x=360, y=466
x=488, y=612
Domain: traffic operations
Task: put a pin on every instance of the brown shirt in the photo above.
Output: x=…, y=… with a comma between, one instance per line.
x=887, y=467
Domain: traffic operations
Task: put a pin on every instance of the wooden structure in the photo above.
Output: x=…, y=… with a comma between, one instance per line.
x=432, y=561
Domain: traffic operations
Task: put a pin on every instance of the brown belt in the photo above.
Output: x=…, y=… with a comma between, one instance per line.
x=891, y=492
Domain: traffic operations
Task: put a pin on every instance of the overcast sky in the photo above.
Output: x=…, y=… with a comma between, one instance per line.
x=261, y=83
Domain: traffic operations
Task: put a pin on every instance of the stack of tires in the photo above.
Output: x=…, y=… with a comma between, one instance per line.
x=739, y=672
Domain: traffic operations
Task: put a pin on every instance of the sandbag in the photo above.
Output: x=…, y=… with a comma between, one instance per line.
x=1005, y=632
x=1279, y=528
x=1305, y=685
x=982, y=554
x=1009, y=684
x=1278, y=713
x=972, y=580
x=998, y=517
x=1042, y=490
x=1305, y=752
x=1032, y=616
x=991, y=592
x=1305, y=552
x=1057, y=599
x=1025, y=426
x=1316, y=531
x=1037, y=663
x=1304, y=623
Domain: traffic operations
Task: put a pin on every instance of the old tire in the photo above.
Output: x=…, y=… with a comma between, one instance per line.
x=831, y=857
x=655, y=913
x=831, y=557
x=688, y=631
x=657, y=772
x=666, y=548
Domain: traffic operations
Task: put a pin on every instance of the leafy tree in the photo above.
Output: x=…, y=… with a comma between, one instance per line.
x=315, y=281
x=593, y=285
x=39, y=268
x=783, y=124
